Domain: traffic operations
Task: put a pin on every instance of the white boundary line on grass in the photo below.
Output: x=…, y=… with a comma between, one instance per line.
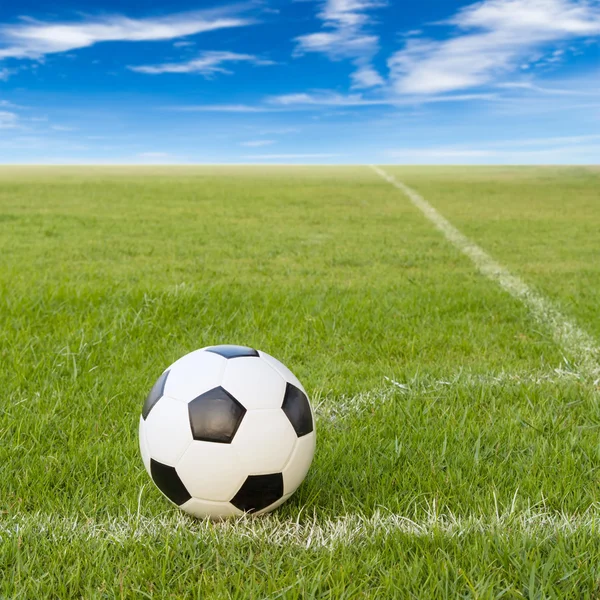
x=342, y=406
x=567, y=334
x=310, y=532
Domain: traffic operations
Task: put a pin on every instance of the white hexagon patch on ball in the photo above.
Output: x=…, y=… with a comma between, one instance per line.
x=227, y=430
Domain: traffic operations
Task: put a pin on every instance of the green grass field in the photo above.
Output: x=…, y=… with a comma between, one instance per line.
x=458, y=443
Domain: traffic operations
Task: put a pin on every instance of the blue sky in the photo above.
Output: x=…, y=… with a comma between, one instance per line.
x=311, y=81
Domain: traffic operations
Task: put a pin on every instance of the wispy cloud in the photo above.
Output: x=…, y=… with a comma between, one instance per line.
x=279, y=131
x=345, y=35
x=552, y=91
x=63, y=128
x=333, y=99
x=324, y=99
x=208, y=64
x=492, y=38
x=8, y=120
x=304, y=101
x=7, y=104
x=366, y=77
x=520, y=150
x=183, y=44
x=226, y=108
x=257, y=143
x=34, y=39
x=153, y=155
x=289, y=156
x=423, y=154
x=546, y=141
x=584, y=154
x=37, y=142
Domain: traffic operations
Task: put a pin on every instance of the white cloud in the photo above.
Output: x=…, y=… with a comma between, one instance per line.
x=313, y=101
x=535, y=17
x=412, y=32
x=334, y=99
x=287, y=156
x=569, y=154
x=325, y=99
x=153, y=154
x=207, y=64
x=227, y=108
x=338, y=44
x=552, y=91
x=5, y=74
x=257, y=143
x=366, y=77
x=436, y=153
x=183, y=44
x=36, y=142
x=545, y=141
x=345, y=35
x=519, y=149
x=8, y=120
x=493, y=37
x=279, y=131
x=62, y=128
x=35, y=39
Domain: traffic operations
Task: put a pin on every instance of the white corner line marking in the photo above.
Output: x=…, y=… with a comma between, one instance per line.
x=579, y=344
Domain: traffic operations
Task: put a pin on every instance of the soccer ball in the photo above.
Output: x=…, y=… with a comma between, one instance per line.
x=227, y=430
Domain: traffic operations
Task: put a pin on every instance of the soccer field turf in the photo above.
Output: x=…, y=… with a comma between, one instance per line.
x=458, y=445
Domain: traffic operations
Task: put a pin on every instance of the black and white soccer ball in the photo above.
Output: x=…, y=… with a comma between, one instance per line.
x=227, y=430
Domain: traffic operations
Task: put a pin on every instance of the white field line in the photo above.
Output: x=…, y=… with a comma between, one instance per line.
x=334, y=408
x=311, y=531
x=306, y=532
x=576, y=342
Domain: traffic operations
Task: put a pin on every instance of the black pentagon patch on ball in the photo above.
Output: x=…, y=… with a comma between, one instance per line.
x=155, y=394
x=215, y=416
x=168, y=482
x=227, y=351
x=297, y=409
x=258, y=492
